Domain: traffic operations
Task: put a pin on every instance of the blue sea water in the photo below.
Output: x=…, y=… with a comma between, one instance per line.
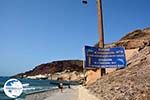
x=29, y=86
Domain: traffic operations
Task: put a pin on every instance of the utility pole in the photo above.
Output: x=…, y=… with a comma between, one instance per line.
x=100, y=30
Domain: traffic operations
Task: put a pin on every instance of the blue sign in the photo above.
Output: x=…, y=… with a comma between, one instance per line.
x=104, y=57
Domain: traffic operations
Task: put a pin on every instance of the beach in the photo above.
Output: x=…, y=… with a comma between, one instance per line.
x=67, y=94
x=73, y=93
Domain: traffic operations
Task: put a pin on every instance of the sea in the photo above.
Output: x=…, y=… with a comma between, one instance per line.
x=30, y=86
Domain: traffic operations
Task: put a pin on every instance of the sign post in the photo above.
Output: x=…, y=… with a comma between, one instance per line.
x=105, y=57
x=101, y=71
x=100, y=30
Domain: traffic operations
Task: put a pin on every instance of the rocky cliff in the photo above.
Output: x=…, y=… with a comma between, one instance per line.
x=55, y=70
x=132, y=40
x=133, y=82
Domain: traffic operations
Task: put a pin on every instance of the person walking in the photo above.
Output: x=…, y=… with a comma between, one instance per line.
x=69, y=82
x=61, y=86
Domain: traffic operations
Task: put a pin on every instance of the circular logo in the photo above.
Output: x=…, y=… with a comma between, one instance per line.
x=13, y=88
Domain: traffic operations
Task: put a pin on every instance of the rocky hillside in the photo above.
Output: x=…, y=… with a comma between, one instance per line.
x=54, y=67
x=132, y=40
x=133, y=82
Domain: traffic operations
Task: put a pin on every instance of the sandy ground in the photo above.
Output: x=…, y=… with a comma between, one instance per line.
x=41, y=95
x=68, y=94
x=75, y=93
x=84, y=94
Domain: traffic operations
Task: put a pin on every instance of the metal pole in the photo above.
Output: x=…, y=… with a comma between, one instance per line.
x=100, y=30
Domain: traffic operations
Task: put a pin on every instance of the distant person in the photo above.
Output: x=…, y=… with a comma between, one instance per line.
x=69, y=82
x=85, y=80
x=60, y=86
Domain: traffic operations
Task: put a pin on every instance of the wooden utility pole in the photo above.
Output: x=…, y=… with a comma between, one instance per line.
x=94, y=74
x=100, y=30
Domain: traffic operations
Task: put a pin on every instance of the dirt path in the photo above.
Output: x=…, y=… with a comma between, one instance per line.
x=68, y=94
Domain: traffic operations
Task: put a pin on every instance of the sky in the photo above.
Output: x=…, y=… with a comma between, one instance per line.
x=33, y=32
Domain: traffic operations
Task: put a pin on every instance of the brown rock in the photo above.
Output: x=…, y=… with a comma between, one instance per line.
x=132, y=83
x=56, y=67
